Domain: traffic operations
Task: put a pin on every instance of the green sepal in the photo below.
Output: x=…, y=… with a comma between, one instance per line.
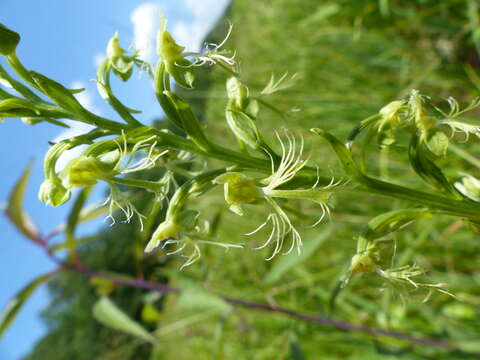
x=123, y=67
x=242, y=127
x=182, y=71
x=9, y=40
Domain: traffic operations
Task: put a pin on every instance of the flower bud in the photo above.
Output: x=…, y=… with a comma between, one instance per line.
x=237, y=91
x=470, y=187
x=82, y=171
x=121, y=65
x=53, y=193
x=8, y=40
x=175, y=63
x=113, y=48
x=362, y=263
x=167, y=48
x=391, y=114
x=239, y=189
x=366, y=258
x=168, y=229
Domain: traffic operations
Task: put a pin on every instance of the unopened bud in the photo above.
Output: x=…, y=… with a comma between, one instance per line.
x=53, y=193
x=82, y=171
x=239, y=189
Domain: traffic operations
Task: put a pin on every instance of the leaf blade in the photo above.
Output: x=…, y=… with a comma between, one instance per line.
x=10, y=312
x=109, y=314
x=14, y=209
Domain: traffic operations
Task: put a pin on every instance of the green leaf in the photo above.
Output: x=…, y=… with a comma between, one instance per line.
x=470, y=346
x=286, y=263
x=78, y=242
x=421, y=161
x=14, y=209
x=195, y=298
x=344, y=156
x=391, y=221
x=13, y=307
x=108, y=314
x=182, y=71
x=73, y=219
x=30, y=120
x=58, y=93
x=15, y=107
x=296, y=352
x=190, y=122
x=9, y=40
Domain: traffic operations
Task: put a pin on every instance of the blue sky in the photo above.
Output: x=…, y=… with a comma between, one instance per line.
x=65, y=40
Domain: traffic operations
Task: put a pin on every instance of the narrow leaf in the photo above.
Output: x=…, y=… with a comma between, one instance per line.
x=190, y=122
x=73, y=219
x=14, y=209
x=108, y=314
x=195, y=298
x=391, y=221
x=13, y=307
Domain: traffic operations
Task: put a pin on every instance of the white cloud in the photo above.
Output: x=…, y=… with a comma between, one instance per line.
x=146, y=21
x=205, y=15
x=98, y=59
x=187, y=36
x=76, y=128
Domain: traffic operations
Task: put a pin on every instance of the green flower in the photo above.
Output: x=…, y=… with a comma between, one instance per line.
x=168, y=229
x=53, y=193
x=121, y=65
x=176, y=65
x=239, y=189
x=82, y=171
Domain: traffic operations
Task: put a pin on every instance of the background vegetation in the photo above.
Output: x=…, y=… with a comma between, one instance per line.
x=352, y=57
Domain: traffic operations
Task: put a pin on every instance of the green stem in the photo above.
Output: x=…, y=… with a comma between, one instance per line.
x=152, y=186
x=103, y=78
